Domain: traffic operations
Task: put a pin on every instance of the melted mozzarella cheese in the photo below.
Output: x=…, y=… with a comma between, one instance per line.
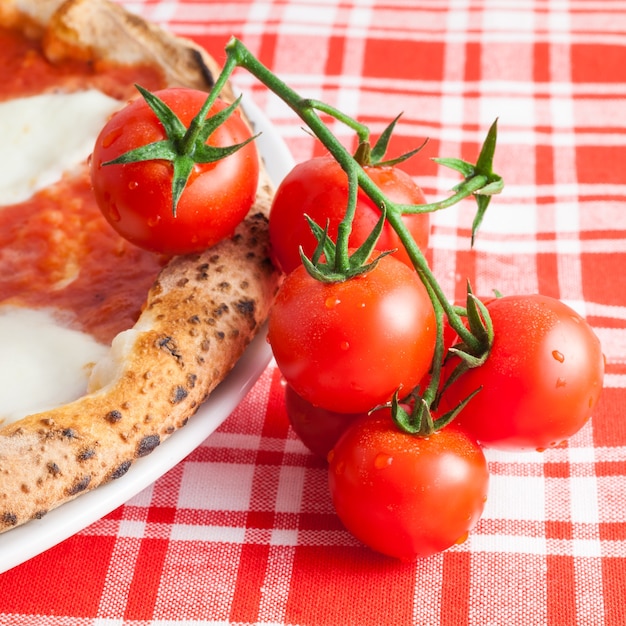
x=46, y=135
x=42, y=364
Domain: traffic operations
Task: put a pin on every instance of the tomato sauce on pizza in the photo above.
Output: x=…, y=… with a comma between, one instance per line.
x=56, y=250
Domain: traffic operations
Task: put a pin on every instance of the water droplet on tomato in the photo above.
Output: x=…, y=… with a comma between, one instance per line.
x=112, y=137
x=558, y=356
x=331, y=302
x=133, y=184
x=153, y=220
x=113, y=213
x=344, y=345
x=382, y=460
x=340, y=468
x=462, y=538
x=561, y=382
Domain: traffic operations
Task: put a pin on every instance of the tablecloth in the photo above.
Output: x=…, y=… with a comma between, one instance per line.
x=242, y=531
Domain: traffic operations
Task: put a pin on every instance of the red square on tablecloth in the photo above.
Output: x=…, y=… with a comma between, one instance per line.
x=596, y=63
x=349, y=584
x=62, y=581
x=607, y=431
x=409, y=60
x=601, y=164
x=598, y=284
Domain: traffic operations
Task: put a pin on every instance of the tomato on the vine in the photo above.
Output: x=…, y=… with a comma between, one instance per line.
x=404, y=495
x=319, y=188
x=348, y=346
x=136, y=198
x=317, y=428
x=541, y=380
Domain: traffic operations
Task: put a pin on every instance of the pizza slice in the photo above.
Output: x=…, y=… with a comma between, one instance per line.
x=137, y=341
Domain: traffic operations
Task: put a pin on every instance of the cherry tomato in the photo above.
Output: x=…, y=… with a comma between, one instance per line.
x=136, y=198
x=348, y=346
x=403, y=495
x=317, y=428
x=319, y=188
x=541, y=380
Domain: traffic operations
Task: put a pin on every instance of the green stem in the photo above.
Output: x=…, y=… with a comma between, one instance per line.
x=362, y=131
x=239, y=55
x=189, y=140
x=464, y=190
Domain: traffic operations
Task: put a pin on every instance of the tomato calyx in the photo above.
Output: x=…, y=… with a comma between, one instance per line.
x=414, y=416
x=481, y=328
x=355, y=263
x=183, y=147
x=367, y=155
x=481, y=172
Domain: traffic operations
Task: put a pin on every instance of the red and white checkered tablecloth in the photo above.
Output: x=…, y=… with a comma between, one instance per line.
x=242, y=531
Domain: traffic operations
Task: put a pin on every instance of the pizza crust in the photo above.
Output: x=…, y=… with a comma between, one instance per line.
x=200, y=315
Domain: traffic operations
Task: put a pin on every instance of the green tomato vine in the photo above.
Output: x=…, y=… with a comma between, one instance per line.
x=472, y=324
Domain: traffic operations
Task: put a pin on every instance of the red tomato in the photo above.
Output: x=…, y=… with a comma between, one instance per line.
x=541, y=380
x=136, y=198
x=403, y=495
x=317, y=428
x=348, y=346
x=319, y=188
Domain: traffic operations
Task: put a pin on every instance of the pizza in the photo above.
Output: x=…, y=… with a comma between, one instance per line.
x=106, y=349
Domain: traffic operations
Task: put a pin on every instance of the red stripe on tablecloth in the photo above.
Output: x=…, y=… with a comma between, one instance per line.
x=145, y=583
x=247, y=593
x=614, y=590
x=455, y=588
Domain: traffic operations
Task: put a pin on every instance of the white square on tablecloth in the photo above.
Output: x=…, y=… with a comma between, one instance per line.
x=516, y=498
x=216, y=486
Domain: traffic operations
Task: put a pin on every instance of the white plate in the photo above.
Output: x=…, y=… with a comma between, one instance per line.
x=24, y=542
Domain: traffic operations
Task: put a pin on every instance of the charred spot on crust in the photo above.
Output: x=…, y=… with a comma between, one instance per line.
x=147, y=445
x=191, y=380
x=9, y=518
x=120, y=470
x=194, y=319
x=179, y=393
x=53, y=468
x=70, y=433
x=246, y=307
x=219, y=335
x=169, y=345
x=220, y=310
x=86, y=454
x=39, y=514
x=80, y=484
x=113, y=416
x=202, y=271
